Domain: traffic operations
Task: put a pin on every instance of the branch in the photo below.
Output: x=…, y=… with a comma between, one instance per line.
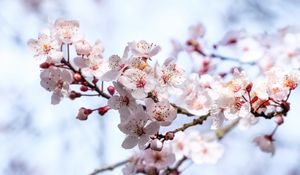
x=111, y=167
x=197, y=121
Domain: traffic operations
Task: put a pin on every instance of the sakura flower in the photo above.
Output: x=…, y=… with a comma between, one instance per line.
x=162, y=112
x=93, y=65
x=46, y=47
x=124, y=102
x=143, y=49
x=139, y=82
x=205, y=149
x=265, y=143
x=83, y=47
x=66, y=31
x=116, y=65
x=232, y=37
x=180, y=145
x=170, y=74
x=57, y=81
x=137, y=130
x=197, y=31
x=159, y=159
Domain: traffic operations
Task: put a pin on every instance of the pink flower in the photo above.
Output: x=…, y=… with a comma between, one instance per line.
x=57, y=81
x=162, y=112
x=46, y=47
x=143, y=49
x=66, y=31
x=265, y=143
x=137, y=129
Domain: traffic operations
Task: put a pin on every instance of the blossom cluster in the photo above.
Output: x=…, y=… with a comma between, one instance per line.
x=149, y=96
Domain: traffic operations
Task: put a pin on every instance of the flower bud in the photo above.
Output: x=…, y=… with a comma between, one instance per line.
x=45, y=65
x=279, y=119
x=77, y=77
x=73, y=95
x=83, y=113
x=156, y=145
x=84, y=88
x=249, y=87
x=111, y=90
x=103, y=110
x=169, y=136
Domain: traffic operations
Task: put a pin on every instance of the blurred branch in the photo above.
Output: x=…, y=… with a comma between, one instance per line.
x=111, y=167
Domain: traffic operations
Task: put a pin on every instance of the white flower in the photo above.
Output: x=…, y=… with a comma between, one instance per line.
x=205, y=149
x=233, y=37
x=66, y=31
x=265, y=143
x=159, y=159
x=56, y=80
x=139, y=82
x=143, y=49
x=197, y=31
x=162, y=112
x=137, y=130
x=170, y=74
x=93, y=65
x=180, y=145
x=83, y=47
x=117, y=66
x=47, y=47
x=124, y=102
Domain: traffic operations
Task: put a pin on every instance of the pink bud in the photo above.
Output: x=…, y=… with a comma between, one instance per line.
x=103, y=110
x=169, y=136
x=77, y=77
x=156, y=145
x=83, y=113
x=279, y=119
x=111, y=90
x=45, y=65
x=249, y=87
x=84, y=88
x=73, y=95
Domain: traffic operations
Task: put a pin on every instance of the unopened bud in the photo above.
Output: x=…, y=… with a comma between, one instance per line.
x=83, y=113
x=103, y=110
x=111, y=90
x=45, y=65
x=156, y=145
x=249, y=87
x=73, y=95
x=279, y=119
x=95, y=80
x=84, y=88
x=169, y=136
x=77, y=77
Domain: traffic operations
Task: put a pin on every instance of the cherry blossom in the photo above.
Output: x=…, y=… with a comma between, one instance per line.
x=143, y=49
x=159, y=159
x=56, y=80
x=161, y=112
x=46, y=47
x=124, y=102
x=138, y=82
x=265, y=143
x=66, y=30
x=137, y=129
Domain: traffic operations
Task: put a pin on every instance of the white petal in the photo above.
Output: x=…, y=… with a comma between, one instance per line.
x=152, y=128
x=130, y=142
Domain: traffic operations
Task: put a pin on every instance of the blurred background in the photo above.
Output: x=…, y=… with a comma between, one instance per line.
x=37, y=138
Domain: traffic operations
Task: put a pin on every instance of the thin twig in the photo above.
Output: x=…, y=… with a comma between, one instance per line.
x=111, y=167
